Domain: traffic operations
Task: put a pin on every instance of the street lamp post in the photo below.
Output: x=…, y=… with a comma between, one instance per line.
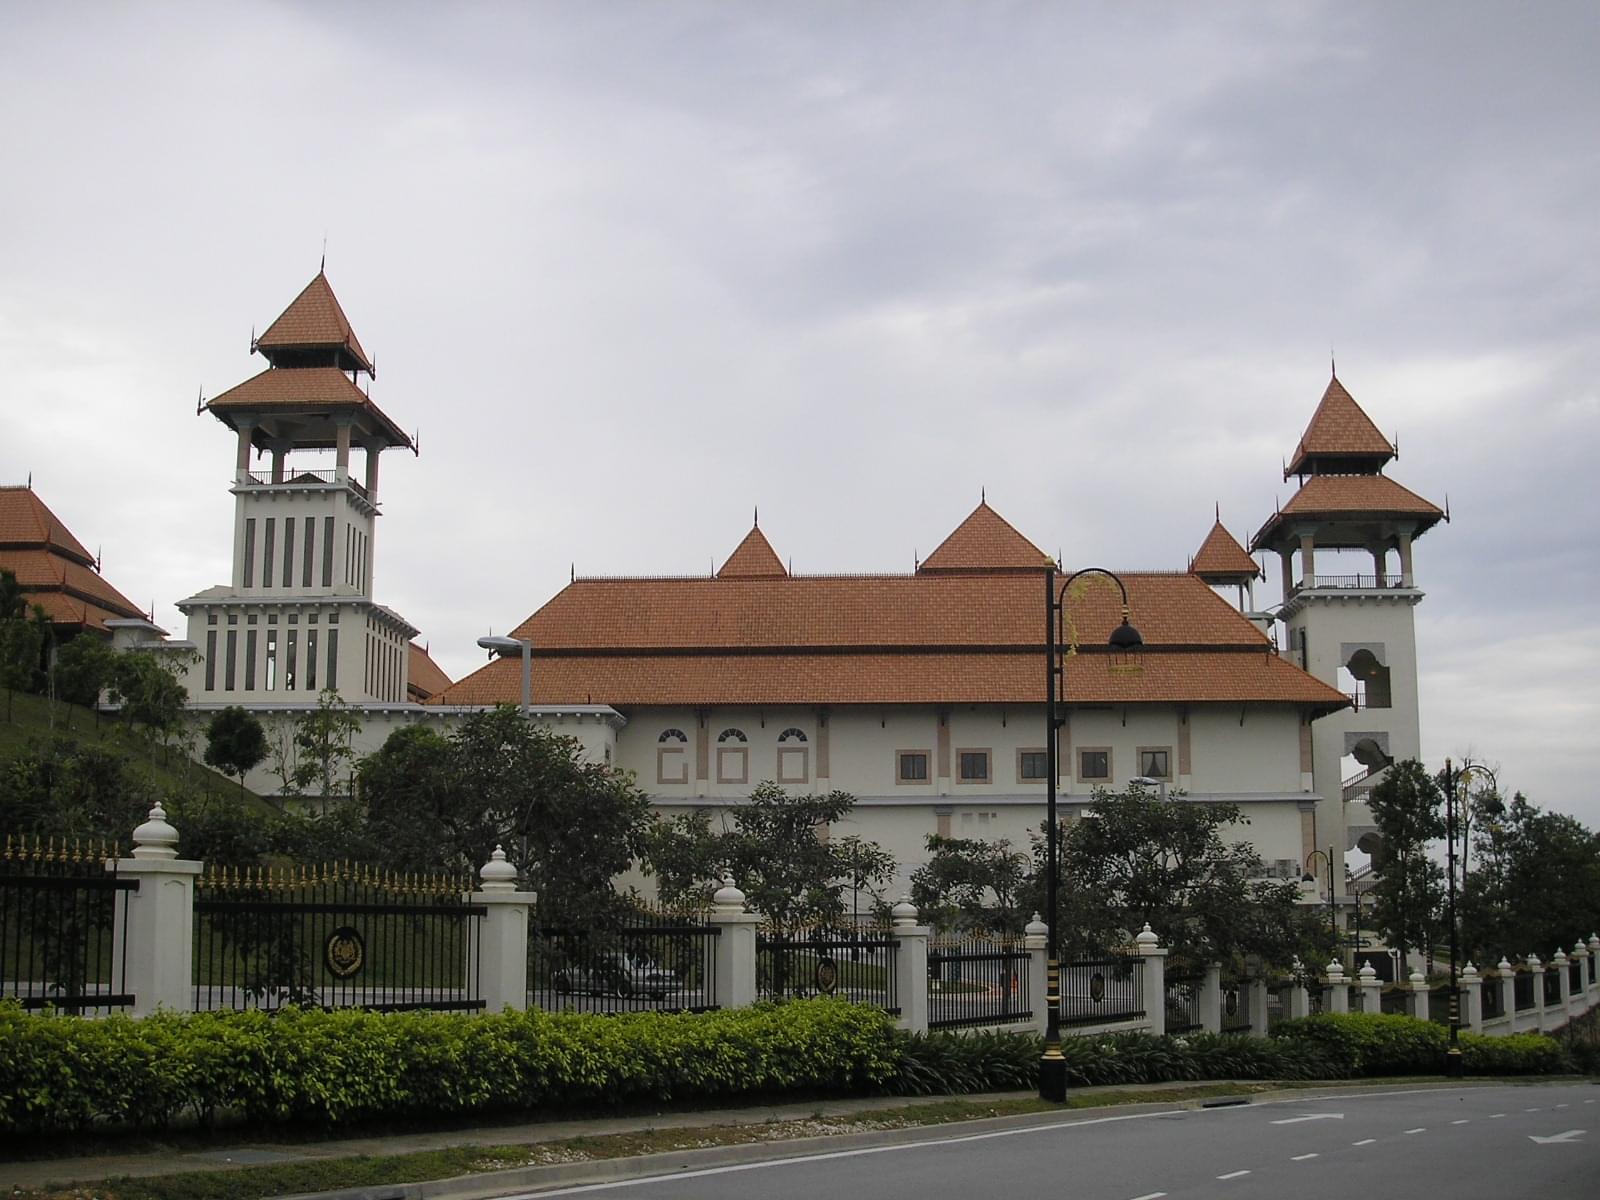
x=506, y=646
x=1333, y=916
x=1052, y=1066
x=1453, y=779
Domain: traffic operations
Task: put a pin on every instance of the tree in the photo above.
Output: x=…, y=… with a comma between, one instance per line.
x=21, y=639
x=1135, y=859
x=151, y=692
x=82, y=669
x=1407, y=807
x=322, y=739
x=235, y=742
x=953, y=888
x=775, y=850
x=1535, y=885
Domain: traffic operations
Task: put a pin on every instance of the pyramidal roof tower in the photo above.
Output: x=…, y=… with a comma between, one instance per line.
x=298, y=616
x=1349, y=610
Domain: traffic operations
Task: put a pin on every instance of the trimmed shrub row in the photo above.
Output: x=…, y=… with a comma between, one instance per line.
x=336, y=1068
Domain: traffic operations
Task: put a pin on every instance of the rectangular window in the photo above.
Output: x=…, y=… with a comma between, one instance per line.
x=327, y=551
x=268, y=547
x=306, y=578
x=793, y=764
x=911, y=766
x=349, y=550
x=1094, y=764
x=972, y=766
x=311, y=660
x=733, y=764
x=1155, y=762
x=288, y=552
x=228, y=675
x=249, y=552
x=672, y=764
x=211, y=660
x=1033, y=766
x=333, y=659
x=289, y=662
x=270, y=674
x=250, y=660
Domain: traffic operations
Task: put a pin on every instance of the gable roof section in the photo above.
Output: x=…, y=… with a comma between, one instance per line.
x=302, y=390
x=25, y=520
x=753, y=558
x=1339, y=431
x=314, y=320
x=424, y=677
x=985, y=542
x=1221, y=557
x=1349, y=499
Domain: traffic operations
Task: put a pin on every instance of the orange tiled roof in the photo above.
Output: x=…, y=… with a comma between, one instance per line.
x=314, y=319
x=303, y=389
x=753, y=558
x=25, y=520
x=1340, y=429
x=1222, y=557
x=984, y=542
x=1011, y=677
x=424, y=677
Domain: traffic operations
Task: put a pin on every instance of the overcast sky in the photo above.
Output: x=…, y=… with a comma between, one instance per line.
x=635, y=269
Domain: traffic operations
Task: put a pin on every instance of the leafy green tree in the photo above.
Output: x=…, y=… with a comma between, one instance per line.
x=775, y=849
x=1408, y=809
x=66, y=788
x=22, y=635
x=408, y=793
x=82, y=670
x=970, y=883
x=1136, y=858
x=1535, y=884
x=323, y=741
x=235, y=743
x=149, y=687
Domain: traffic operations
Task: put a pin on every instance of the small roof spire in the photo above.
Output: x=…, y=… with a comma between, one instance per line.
x=755, y=517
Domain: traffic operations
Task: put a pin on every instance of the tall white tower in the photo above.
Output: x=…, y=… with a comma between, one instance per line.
x=298, y=616
x=1349, y=610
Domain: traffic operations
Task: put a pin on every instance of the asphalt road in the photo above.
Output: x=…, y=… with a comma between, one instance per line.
x=1459, y=1143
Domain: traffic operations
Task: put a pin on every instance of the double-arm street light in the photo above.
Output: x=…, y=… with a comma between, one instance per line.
x=1053, y=1067
x=1454, y=779
x=506, y=646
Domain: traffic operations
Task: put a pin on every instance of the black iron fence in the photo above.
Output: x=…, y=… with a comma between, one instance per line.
x=335, y=936
x=977, y=981
x=1523, y=988
x=1593, y=965
x=857, y=964
x=63, y=925
x=1552, y=987
x=1493, y=999
x=1575, y=976
x=1236, y=1000
x=1183, y=1003
x=638, y=960
x=1099, y=990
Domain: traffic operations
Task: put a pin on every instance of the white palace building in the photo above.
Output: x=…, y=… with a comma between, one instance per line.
x=921, y=694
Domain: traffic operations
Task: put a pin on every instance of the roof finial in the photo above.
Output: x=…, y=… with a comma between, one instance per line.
x=983, y=494
x=1333, y=364
x=572, y=577
x=755, y=517
x=97, y=550
x=322, y=266
x=30, y=481
x=1218, y=503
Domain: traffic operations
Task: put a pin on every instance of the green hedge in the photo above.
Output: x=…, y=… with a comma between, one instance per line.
x=1392, y=1044
x=65, y=1073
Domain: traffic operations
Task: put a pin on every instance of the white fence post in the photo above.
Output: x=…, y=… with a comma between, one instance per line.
x=1257, y=991
x=1336, y=994
x=1208, y=999
x=1558, y=964
x=910, y=966
x=501, y=958
x=1506, y=980
x=1471, y=999
x=1371, y=989
x=1155, y=979
x=1594, y=957
x=1299, y=996
x=1419, y=996
x=1036, y=941
x=1536, y=969
x=735, y=947
x=1580, y=955
x=158, y=944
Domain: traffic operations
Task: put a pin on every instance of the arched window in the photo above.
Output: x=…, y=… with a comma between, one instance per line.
x=672, y=757
x=732, y=735
x=733, y=757
x=794, y=757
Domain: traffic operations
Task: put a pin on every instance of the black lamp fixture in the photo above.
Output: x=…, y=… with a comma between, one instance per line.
x=1052, y=1066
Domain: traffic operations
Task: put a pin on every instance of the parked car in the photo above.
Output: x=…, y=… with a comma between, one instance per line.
x=617, y=974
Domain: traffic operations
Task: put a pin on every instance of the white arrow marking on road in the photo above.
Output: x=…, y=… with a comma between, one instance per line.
x=1568, y=1136
x=1310, y=1117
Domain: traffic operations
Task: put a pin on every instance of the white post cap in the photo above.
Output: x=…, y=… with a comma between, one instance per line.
x=1559, y=958
x=1469, y=971
x=1533, y=961
x=1367, y=973
x=728, y=897
x=1335, y=969
x=155, y=838
x=1417, y=978
x=1503, y=965
x=497, y=874
x=904, y=913
x=1036, y=927
x=1147, y=939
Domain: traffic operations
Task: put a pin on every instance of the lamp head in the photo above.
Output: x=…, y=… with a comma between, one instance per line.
x=1125, y=636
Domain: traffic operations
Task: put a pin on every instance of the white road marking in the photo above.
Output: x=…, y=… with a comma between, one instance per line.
x=1495, y=1116
x=1530, y=1110
x=1568, y=1136
x=1588, y=1101
x=1419, y=1129
x=1364, y=1142
x=1463, y=1121
x=1150, y=1196
x=1310, y=1117
x=1301, y=1157
x=1233, y=1174
x=1563, y=1106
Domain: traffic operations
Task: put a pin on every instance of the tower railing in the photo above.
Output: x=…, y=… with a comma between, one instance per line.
x=1365, y=583
x=319, y=477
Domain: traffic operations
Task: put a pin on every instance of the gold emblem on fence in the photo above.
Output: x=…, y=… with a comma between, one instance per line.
x=1230, y=1003
x=345, y=952
x=826, y=976
x=1097, y=987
